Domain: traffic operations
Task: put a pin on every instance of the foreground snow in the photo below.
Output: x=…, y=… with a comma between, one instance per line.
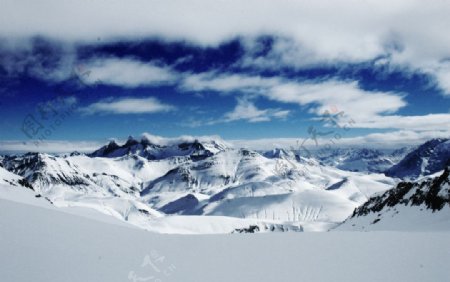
x=41, y=243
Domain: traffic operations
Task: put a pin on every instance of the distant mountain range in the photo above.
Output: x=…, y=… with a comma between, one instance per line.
x=362, y=159
x=427, y=159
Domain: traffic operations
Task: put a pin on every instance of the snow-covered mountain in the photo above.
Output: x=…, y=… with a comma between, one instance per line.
x=428, y=158
x=420, y=205
x=109, y=186
x=143, y=181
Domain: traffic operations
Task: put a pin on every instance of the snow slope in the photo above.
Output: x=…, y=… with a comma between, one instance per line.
x=47, y=245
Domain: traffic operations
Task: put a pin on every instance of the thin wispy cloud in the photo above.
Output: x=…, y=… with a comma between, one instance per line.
x=346, y=95
x=246, y=110
x=127, y=106
x=387, y=140
x=127, y=73
x=50, y=146
x=428, y=122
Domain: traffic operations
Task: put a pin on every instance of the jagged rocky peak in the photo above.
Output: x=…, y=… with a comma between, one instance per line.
x=112, y=145
x=131, y=142
x=131, y=146
x=153, y=148
x=106, y=150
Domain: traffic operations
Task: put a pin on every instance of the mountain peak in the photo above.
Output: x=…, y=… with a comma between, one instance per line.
x=131, y=141
x=106, y=150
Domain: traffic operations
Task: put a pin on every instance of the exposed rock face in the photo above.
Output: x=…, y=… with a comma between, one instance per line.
x=417, y=205
x=433, y=193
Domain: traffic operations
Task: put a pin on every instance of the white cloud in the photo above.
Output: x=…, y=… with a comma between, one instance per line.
x=226, y=82
x=49, y=146
x=246, y=110
x=358, y=104
x=127, y=105
x=347, y=96
x=320, y=31
x=21, y=58
x=367, y=109
x=394, y=139
x=442, y=75
x=412, y=33
x=407, y=33
x=166, y=141
x=125, y=73
x=430, y=122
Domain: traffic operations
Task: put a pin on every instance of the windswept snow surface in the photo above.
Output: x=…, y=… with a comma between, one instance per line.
x=47, y=245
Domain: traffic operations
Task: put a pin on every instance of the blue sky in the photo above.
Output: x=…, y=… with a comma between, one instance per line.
x=267, y=74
